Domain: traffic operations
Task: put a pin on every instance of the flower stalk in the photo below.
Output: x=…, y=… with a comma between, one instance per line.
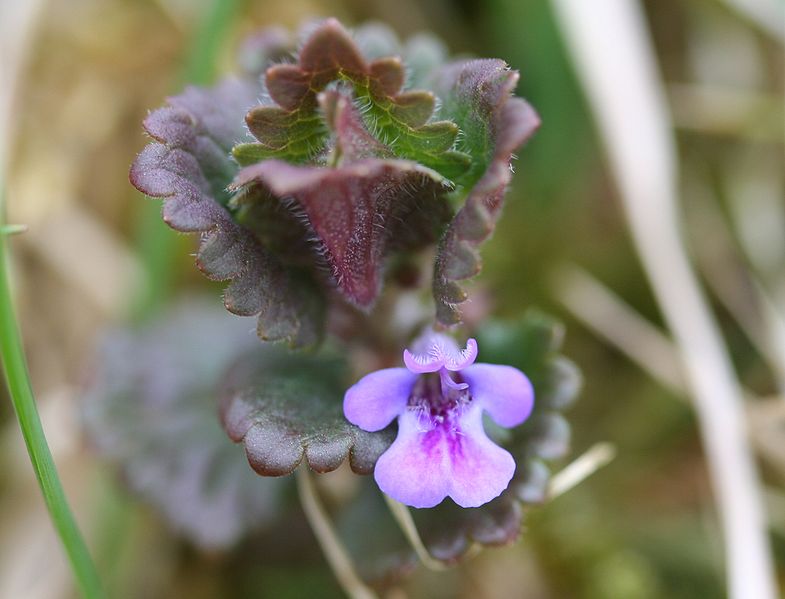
x=403, y=517
x=332, y=547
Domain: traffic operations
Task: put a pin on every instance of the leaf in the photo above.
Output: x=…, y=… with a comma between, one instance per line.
x=285, y=408
x=358, y=211
x=532, y=344
x=292, y=129
x=376, y=40
x=263, y=48
x=150, y=408
x=339, y=113
x=423, y=54
x=448, y=530
x=189, y=168
x=352, y=140
x=477, y=96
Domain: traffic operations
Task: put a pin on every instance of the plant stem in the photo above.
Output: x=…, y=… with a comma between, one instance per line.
x=21, y=392
x=405, y=521
x=331, y=545
x=156, y=243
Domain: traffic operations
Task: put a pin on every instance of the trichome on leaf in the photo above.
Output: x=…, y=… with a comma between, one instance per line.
x=338, y=166
x=305, y=178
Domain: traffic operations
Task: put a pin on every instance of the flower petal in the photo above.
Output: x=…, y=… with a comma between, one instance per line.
x=481, y=470
x=414, y=470
x=503, y=391
x=434, y=351
x=421, y=468
x=373, y=401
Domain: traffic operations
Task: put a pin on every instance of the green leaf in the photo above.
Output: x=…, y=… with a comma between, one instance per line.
x=477, y=96
x=532, y=345
x=293, y=129
x=189, y=168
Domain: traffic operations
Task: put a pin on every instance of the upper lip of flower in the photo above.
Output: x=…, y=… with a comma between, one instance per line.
x=441, y=449
x=439, y=351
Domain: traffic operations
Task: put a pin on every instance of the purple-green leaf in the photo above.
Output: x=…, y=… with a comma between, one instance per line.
x=357, y=211
x=263, y=48
x=150, y=408
x=477, y=95
x=448, y=530
x=292, y=129
x=346, y=166
x=287, y=408
x=189, y=167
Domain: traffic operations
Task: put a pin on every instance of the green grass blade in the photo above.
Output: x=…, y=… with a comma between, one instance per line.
x=156, y=247
x=21, y=392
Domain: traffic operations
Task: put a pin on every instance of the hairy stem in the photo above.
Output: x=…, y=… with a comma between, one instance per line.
x=332, y=547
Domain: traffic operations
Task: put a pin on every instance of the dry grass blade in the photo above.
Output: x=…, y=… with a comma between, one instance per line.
x=767, y=15
x=636, y=129
x=609, y=317
x=594, y=458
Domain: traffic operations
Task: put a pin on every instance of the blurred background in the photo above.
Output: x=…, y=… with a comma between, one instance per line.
x=643, y=526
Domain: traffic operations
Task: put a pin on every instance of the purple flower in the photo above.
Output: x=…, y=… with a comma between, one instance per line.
x=439, y=398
